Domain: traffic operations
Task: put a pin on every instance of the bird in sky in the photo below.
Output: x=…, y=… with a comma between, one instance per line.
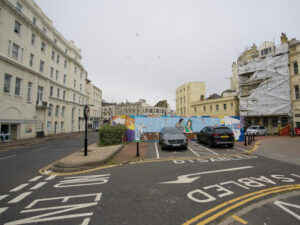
x=137, y=34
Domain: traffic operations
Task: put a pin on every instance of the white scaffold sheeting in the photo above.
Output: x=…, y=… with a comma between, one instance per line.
x=272, y=96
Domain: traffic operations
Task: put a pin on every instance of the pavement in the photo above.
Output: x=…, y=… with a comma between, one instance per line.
x=269, y=146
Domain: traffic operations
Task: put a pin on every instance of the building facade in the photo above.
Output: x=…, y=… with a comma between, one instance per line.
x=42, y=80
x=264, y=86
x=186, y=94
x=225, y=105
x=294, y=60
x=94, y=102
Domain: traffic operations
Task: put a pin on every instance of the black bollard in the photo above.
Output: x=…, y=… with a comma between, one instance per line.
x=137, y=149
x=253, y=137
x=249, y=140
x=245, y=139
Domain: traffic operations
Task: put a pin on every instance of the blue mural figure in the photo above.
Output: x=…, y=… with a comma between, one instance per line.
x=188, y=127
x=179, y=125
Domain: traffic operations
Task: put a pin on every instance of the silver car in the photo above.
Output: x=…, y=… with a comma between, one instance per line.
x=256, y=130
x=172, y=137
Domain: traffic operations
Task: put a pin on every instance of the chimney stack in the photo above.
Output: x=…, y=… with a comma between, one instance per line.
x=283, y=38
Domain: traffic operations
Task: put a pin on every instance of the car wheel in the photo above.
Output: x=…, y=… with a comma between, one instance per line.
x=209, y=143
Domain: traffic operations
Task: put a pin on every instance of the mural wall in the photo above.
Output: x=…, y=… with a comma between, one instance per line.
x=147, y=128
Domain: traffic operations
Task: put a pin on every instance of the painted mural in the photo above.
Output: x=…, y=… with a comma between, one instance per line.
x=147, y=128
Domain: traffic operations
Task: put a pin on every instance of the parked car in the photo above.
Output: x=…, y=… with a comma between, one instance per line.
x=213, y=136
x=256, y=130
x=172, y=137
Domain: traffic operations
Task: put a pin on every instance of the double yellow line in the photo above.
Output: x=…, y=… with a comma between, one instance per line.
x=240, y=201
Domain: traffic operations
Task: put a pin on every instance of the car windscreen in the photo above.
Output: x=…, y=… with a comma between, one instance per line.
x=172, y=131
x=222, y=130
x=254, y=128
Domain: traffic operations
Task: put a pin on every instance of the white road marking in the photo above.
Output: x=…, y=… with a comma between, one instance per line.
x=35, y=178
x=37, y=186
x=51, y=177
x=193, y=151
x=184, y=179
x=3, y=209
x=86, y=221
x=243, y=149
x=156, y=149
x=19, y=187
x=210, y=150
x=20, y=197
x=6, y=157
x=83, y=181
x=3, y=197
x=283, y=205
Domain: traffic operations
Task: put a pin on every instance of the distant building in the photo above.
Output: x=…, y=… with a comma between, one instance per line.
x=107, y=111
x=186, y=94
x=215, y=105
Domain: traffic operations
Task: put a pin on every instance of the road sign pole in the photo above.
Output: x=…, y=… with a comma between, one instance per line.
x=85, y=138
x=137, y=149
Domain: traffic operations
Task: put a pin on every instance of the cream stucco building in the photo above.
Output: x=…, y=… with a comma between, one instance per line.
x=42, y=80
x=186, y=94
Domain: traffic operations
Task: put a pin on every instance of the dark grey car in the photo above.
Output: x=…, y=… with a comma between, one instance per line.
x=172, y=137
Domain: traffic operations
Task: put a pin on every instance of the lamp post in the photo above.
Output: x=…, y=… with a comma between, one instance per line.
x=86, y=114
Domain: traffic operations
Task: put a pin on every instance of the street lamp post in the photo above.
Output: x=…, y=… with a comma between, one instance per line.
x=86, y=114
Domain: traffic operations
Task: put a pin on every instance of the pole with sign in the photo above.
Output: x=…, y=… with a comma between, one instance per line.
x=86, y=114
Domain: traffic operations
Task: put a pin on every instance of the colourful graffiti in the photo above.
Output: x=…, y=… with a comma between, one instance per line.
x=148, y=128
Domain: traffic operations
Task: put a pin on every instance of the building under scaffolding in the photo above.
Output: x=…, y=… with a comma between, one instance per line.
x=264, y=86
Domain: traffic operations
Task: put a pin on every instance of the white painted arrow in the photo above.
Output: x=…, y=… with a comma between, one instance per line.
x=185, y=179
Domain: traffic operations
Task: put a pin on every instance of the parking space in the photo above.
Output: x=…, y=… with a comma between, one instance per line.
x=155, y=151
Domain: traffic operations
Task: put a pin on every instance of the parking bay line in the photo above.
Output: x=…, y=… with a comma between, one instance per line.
x=6, y=157
x=3, y=209
x=156, y=149
x=19, y=187
x=37, y=186
x=20, y=197
x=35, y=178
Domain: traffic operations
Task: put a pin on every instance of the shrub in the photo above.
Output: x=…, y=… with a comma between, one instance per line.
x=111, y=134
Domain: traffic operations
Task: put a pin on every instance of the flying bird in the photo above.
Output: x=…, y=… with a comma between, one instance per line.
x=137, y=34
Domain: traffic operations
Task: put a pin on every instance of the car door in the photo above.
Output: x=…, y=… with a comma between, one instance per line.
x=206, y=134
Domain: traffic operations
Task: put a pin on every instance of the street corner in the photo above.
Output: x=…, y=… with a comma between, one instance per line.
x=280, y=209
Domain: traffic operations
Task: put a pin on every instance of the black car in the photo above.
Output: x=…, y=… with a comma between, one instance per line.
x=213, y=136
x=172, y=137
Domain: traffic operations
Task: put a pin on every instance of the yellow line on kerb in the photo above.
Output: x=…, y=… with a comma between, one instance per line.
x=239, y=219
x=257, y=194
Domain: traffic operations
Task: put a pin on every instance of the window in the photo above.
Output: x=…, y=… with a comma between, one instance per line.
x=210, y=107
x=231, y=105
x=80, y=87
x=66, y=51
x=225, y=106
x=65, y=63
x=74, y=83
x=31, y=60
x=51, y=72
x=15, y=51
x=73, y=112
x=204, y=108
x=7, y=83
x=80, y=75
x=34, y=20
x=56, y=75
x=297, y=94
x=42, y=63
x=61, y=125
x=48, y=126
x=217, y=107
x=295, y=65
x=195, y=109
x=19, y=7
x=63, y=111
x=74, y=97
x=9, y=47
x=52, y=55
x=55, y=41
x=64, y=95
x=284, y=121
x=57, y=58
x=40, y=93
x=65, y=78
x=58, y=93
x=51, y=91
x=18, y=86
x=50, y=110
x=17, y=27
x=29, y=92
x=43, y=47
x=44, y=30
x=57, y=110
x=75, y=70
x=32, y=38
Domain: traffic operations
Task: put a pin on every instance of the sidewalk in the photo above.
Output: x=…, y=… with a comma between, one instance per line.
x=21, y=142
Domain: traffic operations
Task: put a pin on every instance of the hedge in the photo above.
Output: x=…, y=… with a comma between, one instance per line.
x=111, y=134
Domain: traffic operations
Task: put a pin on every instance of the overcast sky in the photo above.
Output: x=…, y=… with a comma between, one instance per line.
x=136, y=49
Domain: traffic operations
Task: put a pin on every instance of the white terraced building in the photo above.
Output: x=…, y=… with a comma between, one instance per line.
x=42, y=80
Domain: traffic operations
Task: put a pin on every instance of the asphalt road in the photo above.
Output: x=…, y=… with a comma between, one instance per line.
x=20, y=164
x=178, y=191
